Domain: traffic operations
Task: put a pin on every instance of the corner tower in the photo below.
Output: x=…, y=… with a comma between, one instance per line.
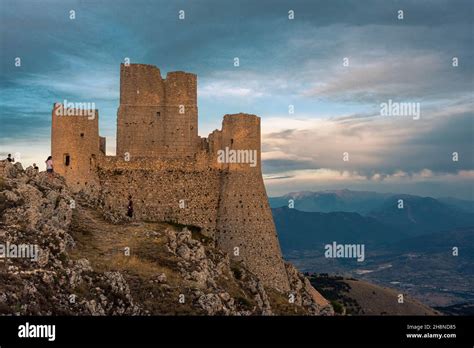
x=75, y=144
x=245, y=227
x=157, y=117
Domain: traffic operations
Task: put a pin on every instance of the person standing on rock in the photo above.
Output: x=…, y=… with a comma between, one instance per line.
x=130, y=207
x=9, y=158
x=49, y=166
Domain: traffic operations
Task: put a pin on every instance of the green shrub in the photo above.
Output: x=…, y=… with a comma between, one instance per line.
x=338, y=308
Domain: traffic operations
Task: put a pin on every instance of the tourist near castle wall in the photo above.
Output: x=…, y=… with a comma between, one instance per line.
x=172, y=174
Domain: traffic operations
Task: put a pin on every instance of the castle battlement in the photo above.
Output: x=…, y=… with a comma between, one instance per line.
x=213, y=183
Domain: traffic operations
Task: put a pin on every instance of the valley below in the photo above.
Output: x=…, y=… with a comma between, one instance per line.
x=425, y=251
x=426, y=278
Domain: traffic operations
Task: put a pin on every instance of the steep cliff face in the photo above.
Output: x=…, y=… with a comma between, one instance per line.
x=85, y=265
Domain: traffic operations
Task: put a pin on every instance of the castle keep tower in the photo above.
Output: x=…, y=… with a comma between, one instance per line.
x=174, y=175
x=156, y=117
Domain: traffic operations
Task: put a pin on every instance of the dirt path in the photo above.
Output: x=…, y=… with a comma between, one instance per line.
x=136, y=247
x=104, y=245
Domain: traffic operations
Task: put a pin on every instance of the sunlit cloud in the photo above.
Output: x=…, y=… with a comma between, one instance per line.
x=282, y=63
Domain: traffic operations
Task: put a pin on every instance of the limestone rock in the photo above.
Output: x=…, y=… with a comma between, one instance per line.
x=304, y=293
x=161, y=278
x=211, y=303
x=37, y=210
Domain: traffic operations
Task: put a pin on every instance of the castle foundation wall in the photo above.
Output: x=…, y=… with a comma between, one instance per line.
x=245, y=227
x=162, y=191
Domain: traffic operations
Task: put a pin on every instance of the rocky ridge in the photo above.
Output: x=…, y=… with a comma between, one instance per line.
x=186, y=274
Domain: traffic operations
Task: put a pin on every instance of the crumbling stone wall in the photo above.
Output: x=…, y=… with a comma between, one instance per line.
x=161, y=191
x=245, y=222
x=156, y=117
x=75, y=145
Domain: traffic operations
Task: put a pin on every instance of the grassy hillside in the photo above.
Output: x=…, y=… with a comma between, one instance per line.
x=355, y=297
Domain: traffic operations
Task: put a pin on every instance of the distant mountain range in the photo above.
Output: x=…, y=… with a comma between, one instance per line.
x=342, y=221
x=421, y=215
x=299, y=230
x=462, y=204
x=362, y=202
x=409, y=248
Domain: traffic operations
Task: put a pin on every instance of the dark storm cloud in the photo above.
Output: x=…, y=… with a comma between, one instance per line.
x=282, y=62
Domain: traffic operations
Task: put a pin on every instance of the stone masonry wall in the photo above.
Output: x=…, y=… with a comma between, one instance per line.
x=246, y=222
x=161, y=191
x=157, y=117
x=75, y=136
x=245, y=219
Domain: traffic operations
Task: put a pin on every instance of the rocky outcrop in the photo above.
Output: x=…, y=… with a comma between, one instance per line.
x=36, y=213
x=205, y=266
x=305, y=295
x=37, y=210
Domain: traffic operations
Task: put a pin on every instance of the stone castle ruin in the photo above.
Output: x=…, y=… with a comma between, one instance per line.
x=173, y=174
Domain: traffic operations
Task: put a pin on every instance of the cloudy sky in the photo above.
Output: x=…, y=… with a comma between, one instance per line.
x=335, y=63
